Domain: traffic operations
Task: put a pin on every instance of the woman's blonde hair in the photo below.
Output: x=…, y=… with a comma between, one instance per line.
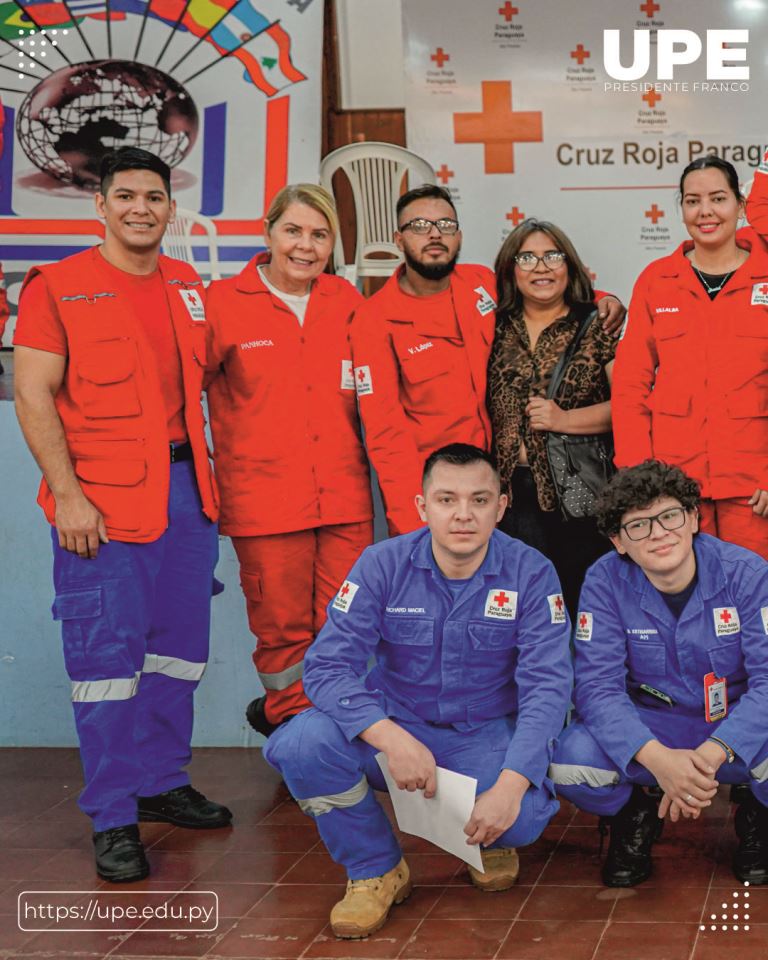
x=311, y=195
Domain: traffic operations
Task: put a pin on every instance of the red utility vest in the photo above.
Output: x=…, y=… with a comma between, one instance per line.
x=111, y=403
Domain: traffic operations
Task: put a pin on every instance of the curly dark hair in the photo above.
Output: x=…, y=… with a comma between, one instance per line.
x=636, y=487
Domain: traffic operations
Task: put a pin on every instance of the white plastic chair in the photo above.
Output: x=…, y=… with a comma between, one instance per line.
x=179, y=239
x=375, y=172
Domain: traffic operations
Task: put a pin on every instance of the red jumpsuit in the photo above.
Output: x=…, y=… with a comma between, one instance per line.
x=420, y=372
x=690, y=385
x=295, y=488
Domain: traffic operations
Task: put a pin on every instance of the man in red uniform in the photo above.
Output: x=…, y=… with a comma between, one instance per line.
x=420, y=349
x=110, y=353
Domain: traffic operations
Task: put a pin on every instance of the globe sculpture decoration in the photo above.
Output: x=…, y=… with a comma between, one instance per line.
x=79, y=113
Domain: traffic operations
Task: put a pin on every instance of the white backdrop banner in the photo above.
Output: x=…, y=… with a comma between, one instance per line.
x=513, y=105
x=228, y=92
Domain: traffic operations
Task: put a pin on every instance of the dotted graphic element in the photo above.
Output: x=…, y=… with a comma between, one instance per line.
x=27, y=44
x=734, y=916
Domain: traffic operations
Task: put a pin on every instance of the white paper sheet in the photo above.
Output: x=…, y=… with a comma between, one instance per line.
x=442, y=819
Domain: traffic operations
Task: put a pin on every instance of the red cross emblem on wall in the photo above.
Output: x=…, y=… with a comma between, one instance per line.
x=508, y=11
x=654, y=214
x=440, y=57
x=444, y=174
x=649, y=8
x=651, y=98
x=501, y=598
x=498, y=127
x=580, y=54
x=516, y=216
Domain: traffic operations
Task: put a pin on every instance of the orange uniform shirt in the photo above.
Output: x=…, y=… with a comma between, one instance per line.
x=690, y=384
x=281, y=397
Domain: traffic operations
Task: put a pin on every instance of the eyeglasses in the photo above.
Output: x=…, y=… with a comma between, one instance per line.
x=640, y=527
x=552, y=259
x=421, y=226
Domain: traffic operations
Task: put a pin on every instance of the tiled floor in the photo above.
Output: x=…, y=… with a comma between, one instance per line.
x=275, y=885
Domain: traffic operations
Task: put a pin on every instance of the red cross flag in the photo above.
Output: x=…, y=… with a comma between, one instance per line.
x=726, y=621
x=759, y=294
x=345, y=596
x=501, y=604
x=363, y=381
x=584, y=626
x=556, y=607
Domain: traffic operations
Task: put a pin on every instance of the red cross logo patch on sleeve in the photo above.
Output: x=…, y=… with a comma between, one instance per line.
x=345, y=596
x=556, y=608
x=584, y=626
x=363, y=381
x=501, y=604
x=726, y=621
x=759, y=294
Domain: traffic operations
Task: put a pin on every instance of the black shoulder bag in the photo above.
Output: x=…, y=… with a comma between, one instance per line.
x=580, y=464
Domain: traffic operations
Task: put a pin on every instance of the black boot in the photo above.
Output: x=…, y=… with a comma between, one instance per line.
x=184, y=807
x=256, y=716
x=633, y=831
x=750, y=862
x=120, y=855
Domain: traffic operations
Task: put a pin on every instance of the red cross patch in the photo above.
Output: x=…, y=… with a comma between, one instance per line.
x=345, y=596
x=584, y=626
x=726, y=621
x=194, y=304
x=501, y=604
x=485, y=302
x=764, y=617
x=556, y=608
x=363, y=381
x=347, y=375
x=759, y=294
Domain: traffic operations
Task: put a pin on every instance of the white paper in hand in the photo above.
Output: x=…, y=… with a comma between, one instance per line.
x=442, y=819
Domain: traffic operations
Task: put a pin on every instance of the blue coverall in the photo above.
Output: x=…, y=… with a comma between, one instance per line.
x=478, y=670
x=626, y=636
x=135, y=625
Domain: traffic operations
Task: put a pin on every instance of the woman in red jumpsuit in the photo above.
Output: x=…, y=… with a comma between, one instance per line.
x=690, y=384
x=295, y=489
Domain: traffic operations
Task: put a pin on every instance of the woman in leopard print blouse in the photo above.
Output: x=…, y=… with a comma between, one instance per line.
x=544, y=293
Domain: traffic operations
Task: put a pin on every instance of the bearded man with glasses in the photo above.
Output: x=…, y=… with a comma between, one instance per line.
x=671, y=676
x=420, y=350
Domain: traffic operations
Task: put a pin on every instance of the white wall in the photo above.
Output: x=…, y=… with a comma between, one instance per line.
x=370, y=54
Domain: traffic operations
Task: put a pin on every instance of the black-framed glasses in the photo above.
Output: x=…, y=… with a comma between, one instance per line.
x=552, y=259
x=421, y=226
x=640, y=527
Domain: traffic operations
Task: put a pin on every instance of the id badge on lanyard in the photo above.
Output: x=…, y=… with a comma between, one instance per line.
x=715, y=697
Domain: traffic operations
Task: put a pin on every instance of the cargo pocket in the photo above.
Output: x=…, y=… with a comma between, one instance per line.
x=726, y=659
x=79, y=612
x=109, y=386
x=116, y=488
x=492, y=652
x=407, y=645
x=646, y=659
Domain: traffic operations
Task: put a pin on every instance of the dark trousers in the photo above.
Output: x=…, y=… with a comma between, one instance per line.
x=571, y=545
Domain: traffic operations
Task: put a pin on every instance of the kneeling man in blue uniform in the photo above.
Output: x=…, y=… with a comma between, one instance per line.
x=671, y=676
x=472, y=672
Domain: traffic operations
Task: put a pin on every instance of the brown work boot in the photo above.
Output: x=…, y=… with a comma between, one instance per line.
x=366, y=904
x=502, y=866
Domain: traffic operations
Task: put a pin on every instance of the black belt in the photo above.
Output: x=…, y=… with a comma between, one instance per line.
x=181, y=451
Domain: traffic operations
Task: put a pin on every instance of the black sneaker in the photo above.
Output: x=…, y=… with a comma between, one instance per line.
x=634, y=829
x=184, y=807
x=120, y=854
x=750, y=862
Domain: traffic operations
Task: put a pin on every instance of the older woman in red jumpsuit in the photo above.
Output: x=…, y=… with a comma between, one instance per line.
x=295, y=489
x=690, y=384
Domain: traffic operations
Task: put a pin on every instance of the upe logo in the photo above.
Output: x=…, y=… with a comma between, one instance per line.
x=677, y=48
